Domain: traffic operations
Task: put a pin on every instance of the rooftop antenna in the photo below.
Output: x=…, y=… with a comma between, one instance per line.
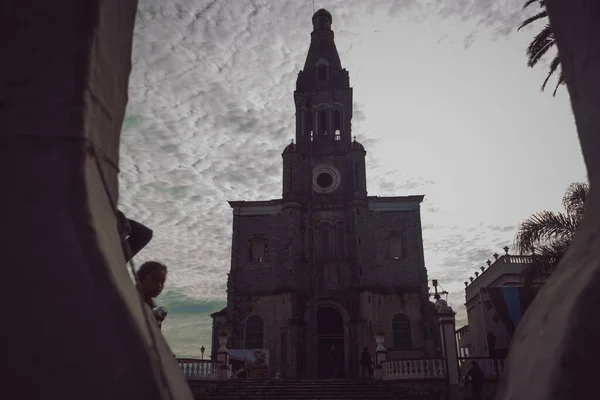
x=437, y=294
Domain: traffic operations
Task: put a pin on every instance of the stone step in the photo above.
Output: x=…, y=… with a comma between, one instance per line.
x=302, y=389
x=304, y=396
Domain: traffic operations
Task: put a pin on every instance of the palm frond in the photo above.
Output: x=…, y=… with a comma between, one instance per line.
x=541, y=14
x=529, y=2
x=561, y=81
x=575, y=197
x=544, y=261
x=544, y=228
x=554, y=64
x=540, y=44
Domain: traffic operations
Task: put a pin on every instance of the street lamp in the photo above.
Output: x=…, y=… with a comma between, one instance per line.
x=202, y=351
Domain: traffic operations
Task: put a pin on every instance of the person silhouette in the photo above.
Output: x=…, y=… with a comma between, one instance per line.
x=365, y=362
x=476, y=378
x=151, y=280
x=332, y=356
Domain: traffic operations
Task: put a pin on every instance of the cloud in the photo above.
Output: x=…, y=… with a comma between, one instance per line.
x=210, y=111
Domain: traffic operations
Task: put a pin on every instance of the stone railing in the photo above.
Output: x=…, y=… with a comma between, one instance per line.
x=493, y=368
x=194, y=368
x=417, y=369
x=518, y=259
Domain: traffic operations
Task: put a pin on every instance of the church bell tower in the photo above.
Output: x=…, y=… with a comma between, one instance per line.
x=324, y=163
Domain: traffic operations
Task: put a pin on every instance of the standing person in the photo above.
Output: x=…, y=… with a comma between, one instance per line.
x=365, y=362
x=151, y=280
x=476, y=378
x=332, y=356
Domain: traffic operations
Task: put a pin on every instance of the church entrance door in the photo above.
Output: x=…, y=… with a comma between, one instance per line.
x=330, y=333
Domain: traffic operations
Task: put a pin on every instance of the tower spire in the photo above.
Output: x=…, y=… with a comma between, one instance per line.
x=322, y=45
x=323, y=95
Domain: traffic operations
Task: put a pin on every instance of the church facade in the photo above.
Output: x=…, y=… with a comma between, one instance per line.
x=326, y=265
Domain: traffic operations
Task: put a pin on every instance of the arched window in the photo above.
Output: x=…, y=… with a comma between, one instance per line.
x=337, y=120
x=322, y=73
x=322, y=67
x=308, y=121
x=254, y=332
x=401, y=332
x=323, y=122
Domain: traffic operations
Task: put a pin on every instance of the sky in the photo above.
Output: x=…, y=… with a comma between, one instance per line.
x=444, y=105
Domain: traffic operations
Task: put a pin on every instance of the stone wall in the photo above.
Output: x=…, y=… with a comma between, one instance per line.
x=409, y=270
x=377, y=311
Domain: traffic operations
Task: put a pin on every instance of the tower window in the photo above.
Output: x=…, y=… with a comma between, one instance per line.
x=323, y=121
x=395, y=246
x=322, y=73
x=257, y=249
x=308, y=120
x=337, y=120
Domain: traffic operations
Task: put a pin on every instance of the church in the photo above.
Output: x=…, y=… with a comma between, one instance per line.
x=326, y=265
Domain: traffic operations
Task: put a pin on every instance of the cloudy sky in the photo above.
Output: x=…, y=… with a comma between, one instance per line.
x=445, y=107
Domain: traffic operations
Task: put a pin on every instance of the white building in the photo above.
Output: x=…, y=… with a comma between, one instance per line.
x=495, y=300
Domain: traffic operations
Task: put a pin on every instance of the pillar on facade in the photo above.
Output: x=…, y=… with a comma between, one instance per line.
x=223, y=359
x=380, y=356
x=447, y=321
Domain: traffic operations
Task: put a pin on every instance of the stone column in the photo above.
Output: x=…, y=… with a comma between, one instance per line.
x=446, y=319
x=223, y=359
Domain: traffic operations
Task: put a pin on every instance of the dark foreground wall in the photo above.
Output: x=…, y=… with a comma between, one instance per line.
x=73, y=326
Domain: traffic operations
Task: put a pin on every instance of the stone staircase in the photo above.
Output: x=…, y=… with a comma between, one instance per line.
x=284, y=389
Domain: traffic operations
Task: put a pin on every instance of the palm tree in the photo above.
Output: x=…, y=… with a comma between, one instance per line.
x=540, y=45
x=547, y=235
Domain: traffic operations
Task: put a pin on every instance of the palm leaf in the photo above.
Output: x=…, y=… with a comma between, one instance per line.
x=575, y=197
x=539, y=45
x=529, y=2
x=529, y=20
x=544, y=261
x=554, y=64
x=561, y=81
x=544, y=227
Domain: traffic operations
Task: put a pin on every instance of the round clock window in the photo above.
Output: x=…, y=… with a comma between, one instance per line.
x=326, y=179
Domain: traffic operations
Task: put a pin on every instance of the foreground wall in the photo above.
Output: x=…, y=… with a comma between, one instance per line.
x=71, y=317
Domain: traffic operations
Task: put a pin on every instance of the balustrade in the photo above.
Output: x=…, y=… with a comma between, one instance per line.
x=518, y=259
x=418, y=369
x=493, y=368
x=193, y=368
